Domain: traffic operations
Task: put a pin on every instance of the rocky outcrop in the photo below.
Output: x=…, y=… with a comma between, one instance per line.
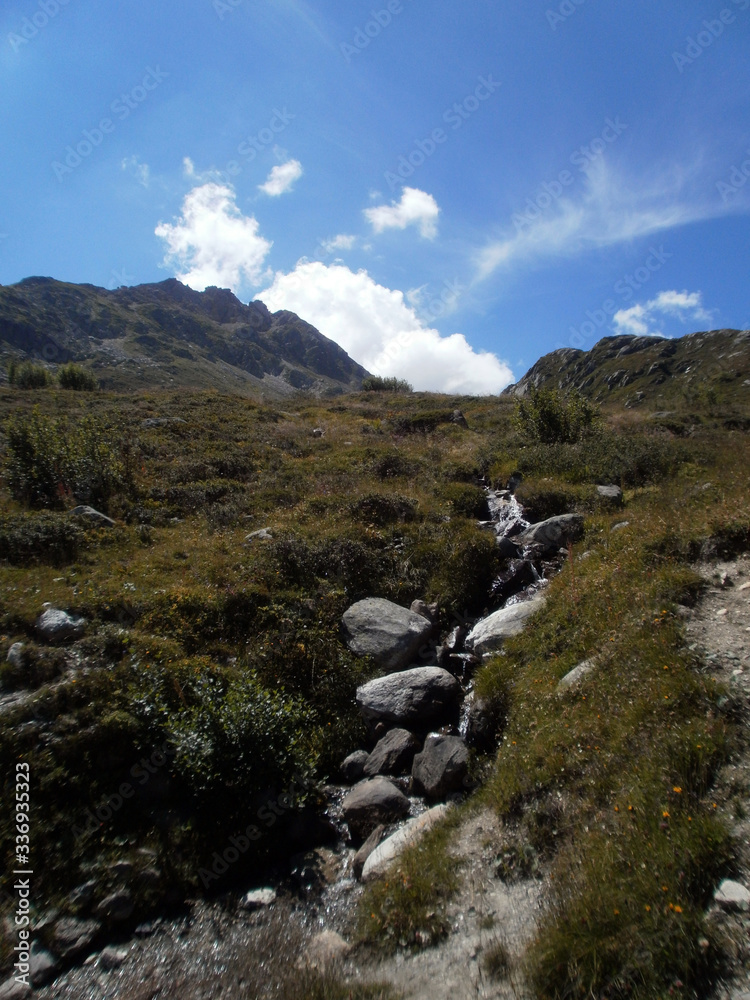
x=394, y=754
x=72, y=937
x=372, y=802
x=489, y=634
x=388, y=633
x=416, y=697
x=441, y=767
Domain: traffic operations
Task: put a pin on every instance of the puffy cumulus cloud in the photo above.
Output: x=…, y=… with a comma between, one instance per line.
x=378, y=329
x=281, y=178
x=416, y=208
x=646, y=319
x=213, y=243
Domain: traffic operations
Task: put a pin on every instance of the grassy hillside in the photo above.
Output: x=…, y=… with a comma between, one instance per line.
x=227, y=653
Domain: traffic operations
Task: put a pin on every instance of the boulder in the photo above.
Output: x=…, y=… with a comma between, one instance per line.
x=393, y=754
x=574, y=677
x=385, y=853
x=261, y=535
x=43, y=966
x=353, y=768
x=419, y=696
x=732, y=896
x=116, y=907
x=441, y=767
x=54, y=625
x=554, y=533
x=366, y=850
x=427, y=611
x=324, y=949
x=256, y=899
x=371, y=802
x=92, y=516
x=112, y=958
x=12, y=990
x=71, y=936
x=490, y=633
x=459, y=419
x=388, y=633
x=611, y=495
x=15, y=655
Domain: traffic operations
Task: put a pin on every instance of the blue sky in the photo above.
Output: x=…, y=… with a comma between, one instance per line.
x=449, y=191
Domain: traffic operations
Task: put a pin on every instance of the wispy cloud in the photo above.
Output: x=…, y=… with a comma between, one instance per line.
x=281, y=178
x=416, y=208
x=140, y=171
x=646, y=319
x=610, y=209
x=213, y=243
x=340, y=242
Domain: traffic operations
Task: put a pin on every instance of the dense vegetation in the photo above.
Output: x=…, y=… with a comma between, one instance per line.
x=222, y=653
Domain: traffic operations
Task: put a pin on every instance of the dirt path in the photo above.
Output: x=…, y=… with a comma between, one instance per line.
x=718, y=629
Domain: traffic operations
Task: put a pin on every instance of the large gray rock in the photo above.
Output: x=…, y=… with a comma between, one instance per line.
x=43, y=966
x=490, y=633
x=418, y=697
x=15, y=655
x=12, y=990
x=610, y=495
x=92, y=516
x=371, y=802
x=54, y=625
x=388, y=633
x=575, y=677
x=360, y=858
x=732, y=896
x=380, y=859
x=554, y=533
x=393, y=754
x=441, y=767
x=72, y=936
x=257, y=899
x=117, y=906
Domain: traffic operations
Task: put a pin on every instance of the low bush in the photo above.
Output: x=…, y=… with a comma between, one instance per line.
x=553, y=417
x=28, y=375
x=382, y=509
x=466, y=500
x=376, y=383
x=40, y=538
x=72, y=376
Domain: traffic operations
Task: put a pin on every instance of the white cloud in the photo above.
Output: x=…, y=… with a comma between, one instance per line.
x=608, y=210
x=643, y=319
x=188, y=167
x=213, y=243
x=281, y=178
x=140, y=171
x=340, y=242
x=378, y=329
x=415, y=208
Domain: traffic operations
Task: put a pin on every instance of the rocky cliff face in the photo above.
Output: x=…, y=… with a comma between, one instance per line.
x=167, y=334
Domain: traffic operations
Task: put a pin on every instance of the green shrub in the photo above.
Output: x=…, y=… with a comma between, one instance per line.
x=466, y=500
x=375, y=383
x=72, y=376
x=39, y=538
x=376, y=508
x=550, y=416
x=28, y=375
x=49, y=461
x=421, y=423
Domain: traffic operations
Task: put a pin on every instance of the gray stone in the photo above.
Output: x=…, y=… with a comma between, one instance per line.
x=427, y=611
x=554, y=533
x=71, y=936
x=82, y=895
x=11, y=990
x=393, y=754
x=459, y=419
x=419, y=696
x=58, y=626
x=353, y=768
x=372, y=802
x=261, y=535
x=732, y=896
x=575, y=677
x=15, y=655
x=484, y=720
x=93, y=516
x=388, y=633
x=317, y=432
x=116, y=907
x=441, y=767
x=112, y=958
x=43, y=966
x=366, y=850
x=258, y=898
x=324, y=949
x=385, y=853
x=612, y=494
x=620, y=526
x=490, y=633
